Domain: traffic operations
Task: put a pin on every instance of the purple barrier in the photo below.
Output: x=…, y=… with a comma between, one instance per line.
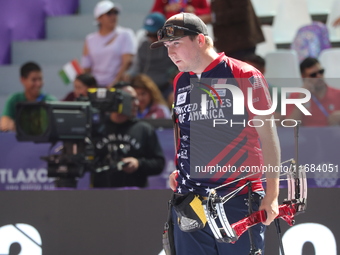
x=25, y=20
x=22, y=169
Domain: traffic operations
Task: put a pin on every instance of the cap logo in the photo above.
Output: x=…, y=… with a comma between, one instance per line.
x=149, y=22
x=170, y=31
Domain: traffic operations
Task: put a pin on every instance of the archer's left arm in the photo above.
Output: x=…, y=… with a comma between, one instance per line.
x=271, y=157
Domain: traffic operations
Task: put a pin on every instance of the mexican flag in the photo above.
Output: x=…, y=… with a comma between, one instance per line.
x=70, y=71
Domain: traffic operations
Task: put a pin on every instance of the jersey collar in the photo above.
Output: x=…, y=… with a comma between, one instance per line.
x=214, y=63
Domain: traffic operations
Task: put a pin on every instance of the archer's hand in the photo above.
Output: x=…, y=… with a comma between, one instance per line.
x=172, y=180
x=271, y=206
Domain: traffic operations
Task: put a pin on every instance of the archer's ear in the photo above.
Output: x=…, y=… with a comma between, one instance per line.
x=201, y=40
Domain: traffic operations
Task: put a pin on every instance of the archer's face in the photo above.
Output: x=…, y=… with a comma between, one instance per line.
x=184, y=53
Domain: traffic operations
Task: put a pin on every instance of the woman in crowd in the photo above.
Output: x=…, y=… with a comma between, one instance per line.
x=108, y=52
x=151, y=102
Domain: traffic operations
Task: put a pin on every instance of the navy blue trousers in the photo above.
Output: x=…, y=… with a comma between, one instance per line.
x=203, y=242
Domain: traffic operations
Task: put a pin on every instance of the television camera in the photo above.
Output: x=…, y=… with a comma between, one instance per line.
x=76, y=125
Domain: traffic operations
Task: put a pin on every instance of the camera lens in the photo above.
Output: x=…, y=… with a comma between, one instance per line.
x=33, y=120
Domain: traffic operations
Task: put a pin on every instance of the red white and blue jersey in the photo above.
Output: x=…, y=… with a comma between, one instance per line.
x=215, y=144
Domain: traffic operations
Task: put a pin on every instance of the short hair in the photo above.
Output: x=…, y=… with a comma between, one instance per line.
x=307, y=63
x=208, y=39
x=29, y=67
x=88, y=80
x=255, y=59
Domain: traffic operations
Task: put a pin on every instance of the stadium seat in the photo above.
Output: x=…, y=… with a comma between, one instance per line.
x=10, y=79
x=317, y=7
x=141, y=6
x=133, y=20
x=330, y=60
x=76, y=27
x=268, y=45
x=291, y=15
x=334, y=32
x=56, y=52
x=282, y=68
x=265, y=8
x=71, y=27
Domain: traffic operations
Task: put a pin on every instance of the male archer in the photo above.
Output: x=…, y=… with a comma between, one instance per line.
x=237, y=146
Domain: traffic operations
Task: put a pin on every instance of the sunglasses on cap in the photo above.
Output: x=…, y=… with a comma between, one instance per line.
x=313, y=75
x=170, y=31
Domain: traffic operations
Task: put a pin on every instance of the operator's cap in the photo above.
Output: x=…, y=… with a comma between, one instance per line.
x=153, y=22
x=103, y=7
x=178, y=26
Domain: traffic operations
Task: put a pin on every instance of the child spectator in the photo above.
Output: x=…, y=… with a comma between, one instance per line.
x=81, y=84
x=31, y=78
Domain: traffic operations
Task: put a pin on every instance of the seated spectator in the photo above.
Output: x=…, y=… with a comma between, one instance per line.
x=260, y=64
x=151, y=102
x=132, y=148
x=31, y=78
x=310, y=40
x=324, y=104
x=81, y=84
x=108, y=52
x=154, y=62
x=171, y=7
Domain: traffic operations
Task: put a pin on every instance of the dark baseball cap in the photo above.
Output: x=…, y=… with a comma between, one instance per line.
x=178, y=26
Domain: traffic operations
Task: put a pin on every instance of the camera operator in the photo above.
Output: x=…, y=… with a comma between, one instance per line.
x=134, y=147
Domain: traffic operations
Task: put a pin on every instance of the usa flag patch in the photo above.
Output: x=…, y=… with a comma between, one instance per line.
x=257, y=82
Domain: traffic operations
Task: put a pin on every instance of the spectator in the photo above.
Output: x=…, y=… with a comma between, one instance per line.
x=260, y=64
x=80, y=85
x=324, y=104
x=151, y=102
x=31, y=78
x=135, y=150
x=108, y=52
x=236, y=27
x=154, y=62
x=171, y=7
x=310, y=40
